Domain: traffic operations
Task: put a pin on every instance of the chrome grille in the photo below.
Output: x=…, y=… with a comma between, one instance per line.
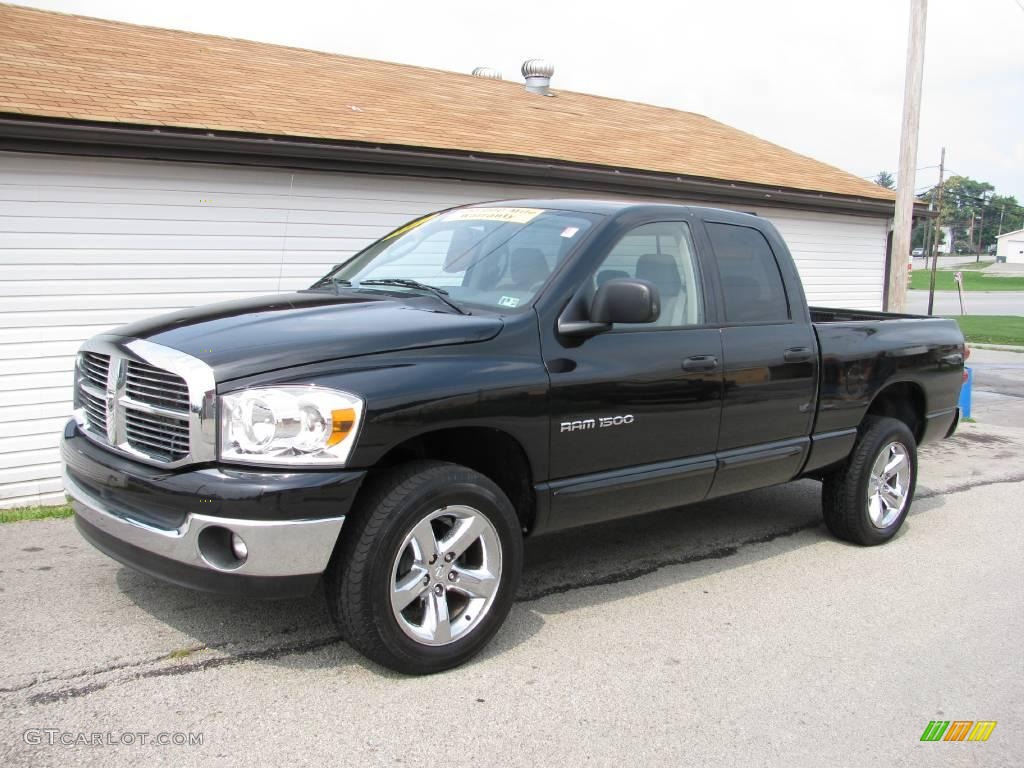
x=95, y=368
x=155, y=404
x=146, y=384
x=158, y=433
x=95, y=411
x=161, y=437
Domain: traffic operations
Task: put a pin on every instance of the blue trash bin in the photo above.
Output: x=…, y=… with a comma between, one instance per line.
x=965, y=394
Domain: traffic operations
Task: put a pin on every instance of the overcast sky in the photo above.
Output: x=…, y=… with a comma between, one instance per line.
x=821, y=77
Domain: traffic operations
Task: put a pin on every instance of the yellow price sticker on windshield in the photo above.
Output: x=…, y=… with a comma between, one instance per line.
x=510, y=215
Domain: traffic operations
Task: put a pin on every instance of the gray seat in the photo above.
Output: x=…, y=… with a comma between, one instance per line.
x=661, y=270
x=610, y=274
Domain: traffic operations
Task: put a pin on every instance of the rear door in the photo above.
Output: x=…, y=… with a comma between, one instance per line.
x=770, y=361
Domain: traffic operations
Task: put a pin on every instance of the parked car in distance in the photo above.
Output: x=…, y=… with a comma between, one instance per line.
x=917, y=252
x=482, y=375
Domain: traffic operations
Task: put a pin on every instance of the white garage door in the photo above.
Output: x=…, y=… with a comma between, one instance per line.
x=87, y=244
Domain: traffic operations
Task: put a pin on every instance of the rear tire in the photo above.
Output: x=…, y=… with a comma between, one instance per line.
x=427, y=567
x=866, y=500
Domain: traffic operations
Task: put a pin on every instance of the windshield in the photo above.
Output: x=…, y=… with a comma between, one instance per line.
x=491, y=257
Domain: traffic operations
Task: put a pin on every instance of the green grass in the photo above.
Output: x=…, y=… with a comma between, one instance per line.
x=34, y=513
x=974, y=280
x=992, y=329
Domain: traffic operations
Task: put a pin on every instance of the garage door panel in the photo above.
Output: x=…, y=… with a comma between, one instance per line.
x=48, y=491
x=132, y=286
x=153, y=302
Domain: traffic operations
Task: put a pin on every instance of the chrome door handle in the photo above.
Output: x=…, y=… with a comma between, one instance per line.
x=797, y=355
x=700, y=363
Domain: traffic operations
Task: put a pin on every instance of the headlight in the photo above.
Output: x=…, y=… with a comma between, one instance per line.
x=304, y=426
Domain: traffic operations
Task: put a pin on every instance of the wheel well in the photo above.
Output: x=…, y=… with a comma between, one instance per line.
x=490, y=452
x=903, y=401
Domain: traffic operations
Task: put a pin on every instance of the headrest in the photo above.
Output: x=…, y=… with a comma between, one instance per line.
x=464, y=240
x=528, y=267
x=660, y=269
x=610, y=274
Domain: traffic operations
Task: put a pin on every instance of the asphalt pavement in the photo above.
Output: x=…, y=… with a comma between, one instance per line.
x=975, y=302
x=736, y=633
x=998, y=386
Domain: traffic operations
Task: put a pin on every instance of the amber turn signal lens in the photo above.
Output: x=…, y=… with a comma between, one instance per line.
x=341, y=424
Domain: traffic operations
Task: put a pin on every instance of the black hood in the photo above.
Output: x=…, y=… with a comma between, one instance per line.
x=250, y=336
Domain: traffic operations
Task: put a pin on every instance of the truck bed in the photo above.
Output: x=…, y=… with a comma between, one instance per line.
x=863, y=351
x=833, y=315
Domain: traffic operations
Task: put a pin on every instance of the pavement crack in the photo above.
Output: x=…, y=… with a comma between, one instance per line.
x=649, y=567
x=62, y=694
x=931, y=494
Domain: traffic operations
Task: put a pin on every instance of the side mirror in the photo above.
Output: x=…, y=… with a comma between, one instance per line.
x=624, y=300
x=620, y=300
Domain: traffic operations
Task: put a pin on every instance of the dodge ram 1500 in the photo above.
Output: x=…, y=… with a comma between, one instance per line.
x=480, y=375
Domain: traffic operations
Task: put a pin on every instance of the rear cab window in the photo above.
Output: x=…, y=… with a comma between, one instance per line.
x=748, y=271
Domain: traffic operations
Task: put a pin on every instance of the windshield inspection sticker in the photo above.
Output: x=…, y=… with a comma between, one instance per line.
x=570, y=231
x=510, y=215
x=508, y=301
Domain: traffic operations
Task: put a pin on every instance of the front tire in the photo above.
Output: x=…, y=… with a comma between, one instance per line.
x=866, y=500
x=428, y=571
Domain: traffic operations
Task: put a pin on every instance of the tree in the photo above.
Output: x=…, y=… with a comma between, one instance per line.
x=885, y=179
x=968, y=204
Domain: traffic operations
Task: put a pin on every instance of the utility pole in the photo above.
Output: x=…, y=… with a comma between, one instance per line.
x=938, y=233
x=925, y=246
x=981, y=231
x=970, y=231
x=904, y=215
x=1001, y=212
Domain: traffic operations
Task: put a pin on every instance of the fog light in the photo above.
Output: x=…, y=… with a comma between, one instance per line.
x=238, y=547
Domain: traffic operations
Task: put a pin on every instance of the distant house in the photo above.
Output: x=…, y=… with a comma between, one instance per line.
x=1010, y=247
x=144, y=170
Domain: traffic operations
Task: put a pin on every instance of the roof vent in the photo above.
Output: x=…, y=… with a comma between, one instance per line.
x=538, y=74
x=488, y=73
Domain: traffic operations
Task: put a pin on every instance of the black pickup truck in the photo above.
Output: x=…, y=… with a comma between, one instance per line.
x=480, y=375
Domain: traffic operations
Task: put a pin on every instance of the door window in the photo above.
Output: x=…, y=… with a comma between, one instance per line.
x=663, y=255
x=751, y=282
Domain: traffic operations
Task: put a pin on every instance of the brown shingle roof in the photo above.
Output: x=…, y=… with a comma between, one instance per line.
x=64, y=66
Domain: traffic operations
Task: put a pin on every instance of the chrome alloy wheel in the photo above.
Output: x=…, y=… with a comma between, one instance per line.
x=889, y=485
x=446, y=575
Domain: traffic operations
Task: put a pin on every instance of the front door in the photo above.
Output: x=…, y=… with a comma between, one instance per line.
x=635, y=411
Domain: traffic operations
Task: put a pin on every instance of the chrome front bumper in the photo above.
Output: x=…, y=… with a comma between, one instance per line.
x=276, y=548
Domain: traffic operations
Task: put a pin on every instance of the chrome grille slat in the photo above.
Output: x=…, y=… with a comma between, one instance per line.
x=147, y=384
x=96, y=411
x=143, y=418
x=141, y=376
x=95, y=368
x=166, y=433
x=169, y=445
x=154, y=398
x=156, y=449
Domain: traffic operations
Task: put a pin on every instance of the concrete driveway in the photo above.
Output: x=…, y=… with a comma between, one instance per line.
x=733, y=633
